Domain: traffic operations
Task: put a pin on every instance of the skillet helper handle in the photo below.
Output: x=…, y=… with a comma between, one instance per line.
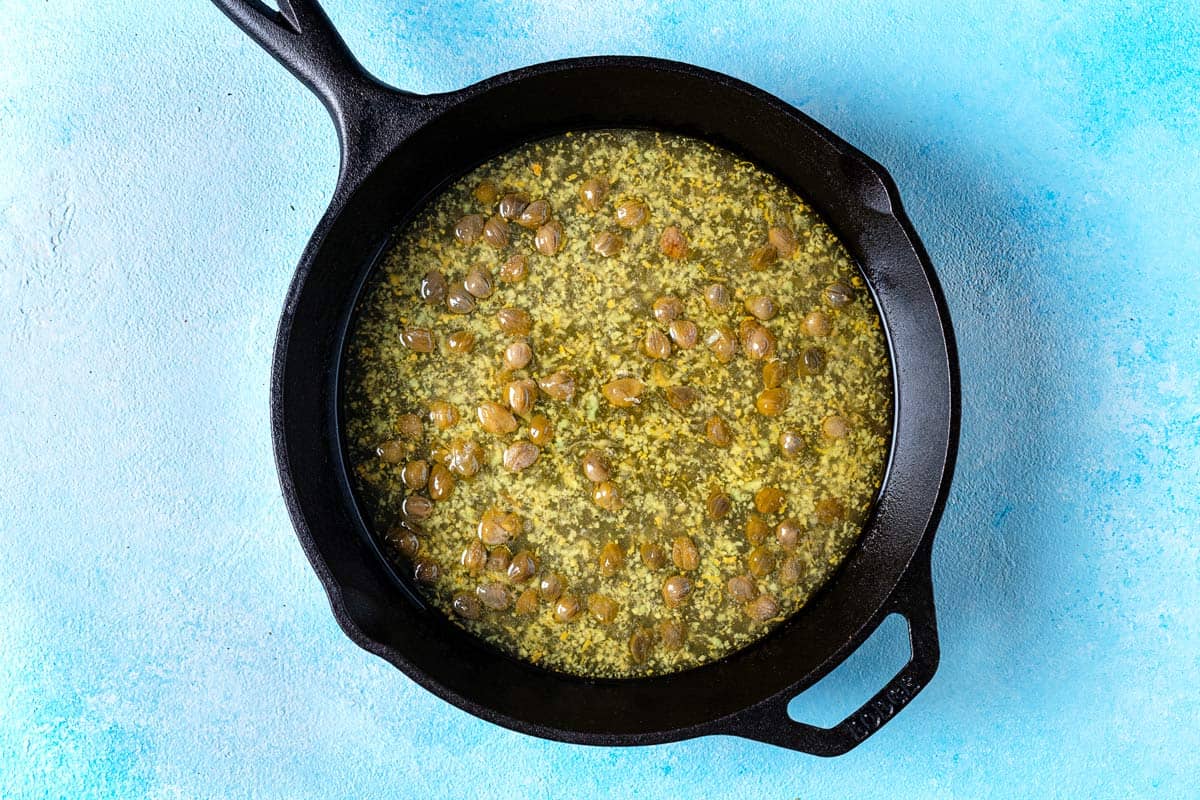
x=371, y=117
x=913, y=600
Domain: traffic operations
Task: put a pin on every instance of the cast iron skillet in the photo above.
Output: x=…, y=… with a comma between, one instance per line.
x=397, y=149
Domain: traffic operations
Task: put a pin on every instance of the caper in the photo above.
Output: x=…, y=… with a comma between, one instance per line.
x=520, y=455
x=549, y=238
x=474, y=557
x=592, y=193
x=607, y=496
x=835, y=427
x=763, y=257
x=511, y=205
x=412, y=526
x=829, y=510
x=406, y=541
x=541, y=430
x=783, y=240
x=774, y=373
x=684, y=553
x=552, y=585
x=760, y=562
x=632, y=213
x=493, y=595
x=717, y=431
x=426, y=570
x=791, y=444
x=460, y=342
x=596, y=466
x=514, y=269
x=522, y=567
x=495, y=418
x=722, y=344
x=623, y=392
x=486, y=192
x=741, y=588
x=419, y=340
x=769, y=499
x=534, y=215
x=521, y=396
x=684, y=333
x=527, y=602
x=656, y=344
x=479, y=282
x=671, y=634
x=517, y=355
x=676, y=589
x=813, y=360
x=716, y=296
x=495, y=231
x=433, y=287
x=838, y=295
x=459, y=300
x=762, y=608
x=757, y=529
x=757, y=341
x=761, y=306
x=416, y=507
x=772, y=402
x=787, y=533
x=498, y=559
x=464, y=457
x=667, y=308
x=682, y=398
x=441, y=482
x=391, y=452
x=602, y=609
x=790, y=571
x=612, y=558
x=607, y=244
x=558, y=385
x=673, y=243
x=467, y=606
x=409, y=426
x=817, y=323
x=468, y=228
x=653, y=555
x=718, y=505
x=567, y=608
x=641, y=645
x=497, y=527
x=515, y=321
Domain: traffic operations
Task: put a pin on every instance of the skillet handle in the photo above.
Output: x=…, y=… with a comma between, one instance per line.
x=371, y=117
x=913, y=599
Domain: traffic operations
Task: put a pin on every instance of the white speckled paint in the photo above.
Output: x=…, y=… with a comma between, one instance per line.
x=160, y=632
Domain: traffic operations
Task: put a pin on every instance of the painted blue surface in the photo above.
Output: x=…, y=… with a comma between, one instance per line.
x=160, y=632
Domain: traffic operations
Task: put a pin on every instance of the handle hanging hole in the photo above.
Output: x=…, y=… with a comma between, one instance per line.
x=857, y=679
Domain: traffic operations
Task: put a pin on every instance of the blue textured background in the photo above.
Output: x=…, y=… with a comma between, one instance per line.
x=160, y=632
